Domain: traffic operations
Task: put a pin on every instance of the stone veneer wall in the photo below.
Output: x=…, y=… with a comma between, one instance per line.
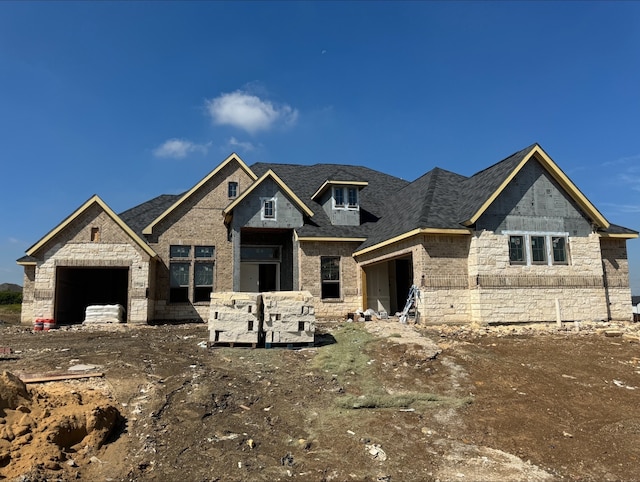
x=616, y=269
x=197, y=222
x=73, y=248
x=92, y=255
x=501, y=292
x=470, y=279
x=309, y=253
x=27, y=314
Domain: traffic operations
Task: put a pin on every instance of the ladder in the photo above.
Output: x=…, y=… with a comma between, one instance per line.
x=411, y=300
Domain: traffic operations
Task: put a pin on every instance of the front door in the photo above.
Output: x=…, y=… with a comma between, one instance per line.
x=259, y=277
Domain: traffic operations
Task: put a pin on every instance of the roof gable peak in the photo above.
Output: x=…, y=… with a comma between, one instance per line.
x=93, y=200
x=270, y=174
x=232, y=157
x=520, y=159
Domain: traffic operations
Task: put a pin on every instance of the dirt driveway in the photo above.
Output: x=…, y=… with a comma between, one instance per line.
x=374, y=401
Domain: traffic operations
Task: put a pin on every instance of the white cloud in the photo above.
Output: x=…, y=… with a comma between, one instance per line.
x=623, y=208
x=630, y=177
x=249, y=112
x=623, y=160
x=245, y=146
x=179, y=148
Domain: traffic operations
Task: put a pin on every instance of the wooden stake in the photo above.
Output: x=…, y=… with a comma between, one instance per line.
x=37, y=378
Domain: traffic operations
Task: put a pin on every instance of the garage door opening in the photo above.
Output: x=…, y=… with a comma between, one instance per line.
x=388, y=284
x=77, y=288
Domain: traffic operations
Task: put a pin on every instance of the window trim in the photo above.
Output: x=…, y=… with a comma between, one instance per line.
x=344, y=194
x=196, y=285
x=263, y=208
x=549, y=253
x=337, y=282
x=356, y=204
x=336, y=204
x=249, y=259
x=191, y=260
x=565, y=250
x=522, y=249
x=535, y=250
x=232, y=189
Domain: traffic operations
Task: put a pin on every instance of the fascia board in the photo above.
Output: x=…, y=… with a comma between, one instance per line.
x=327, y=183
x=189, y=193
x=269, y=174
x=95, y=199
x=409, y=234
x=558, y=175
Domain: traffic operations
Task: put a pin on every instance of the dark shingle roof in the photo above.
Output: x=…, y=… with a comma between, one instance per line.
x=26, y=259
x=305, y=181
x=428, y=202
x=140, y=216
x=479, y=187
x=389, y=206
x=615, y=229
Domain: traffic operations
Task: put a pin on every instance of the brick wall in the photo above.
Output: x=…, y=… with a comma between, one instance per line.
x=197, y=222
x=310, y=253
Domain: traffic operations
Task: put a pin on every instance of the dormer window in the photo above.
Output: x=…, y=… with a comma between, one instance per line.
x=345, y=197
x=353, y=197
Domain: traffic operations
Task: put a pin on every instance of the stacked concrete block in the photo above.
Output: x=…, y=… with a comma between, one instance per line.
x=235, y=317
x=103, y=314
x=289, y=317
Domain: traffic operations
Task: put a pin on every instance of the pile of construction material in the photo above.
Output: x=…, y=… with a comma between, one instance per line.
x=273, y=318
x=289, y=317
x=235, y=318
x=104, y=314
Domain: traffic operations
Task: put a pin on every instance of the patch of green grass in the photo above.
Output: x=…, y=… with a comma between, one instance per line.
x=10, y=313
x=347, y=360
x=346, y=356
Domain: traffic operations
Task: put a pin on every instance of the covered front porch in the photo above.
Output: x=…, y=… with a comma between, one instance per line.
x=264, y=260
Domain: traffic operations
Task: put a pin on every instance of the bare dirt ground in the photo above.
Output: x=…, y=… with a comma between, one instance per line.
x=374, y=401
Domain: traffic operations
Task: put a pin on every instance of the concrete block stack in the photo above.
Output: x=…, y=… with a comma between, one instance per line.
x=235, y=317
x=103, y=314
x=289, y=317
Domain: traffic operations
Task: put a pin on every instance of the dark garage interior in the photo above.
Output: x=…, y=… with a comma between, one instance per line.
x=77, y=288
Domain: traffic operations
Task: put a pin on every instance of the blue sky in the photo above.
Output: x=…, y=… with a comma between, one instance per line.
x=131, y=100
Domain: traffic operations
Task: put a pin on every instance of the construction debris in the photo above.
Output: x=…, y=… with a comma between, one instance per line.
x=41, y=378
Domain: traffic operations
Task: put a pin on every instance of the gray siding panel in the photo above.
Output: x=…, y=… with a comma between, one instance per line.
x=248, y=213
x=534, y=201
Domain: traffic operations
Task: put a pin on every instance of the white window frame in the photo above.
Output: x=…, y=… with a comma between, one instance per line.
x=345, y=198
x=548, y=242
x=263, y=201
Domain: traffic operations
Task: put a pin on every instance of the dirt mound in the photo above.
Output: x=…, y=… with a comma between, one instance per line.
x=52, y=427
